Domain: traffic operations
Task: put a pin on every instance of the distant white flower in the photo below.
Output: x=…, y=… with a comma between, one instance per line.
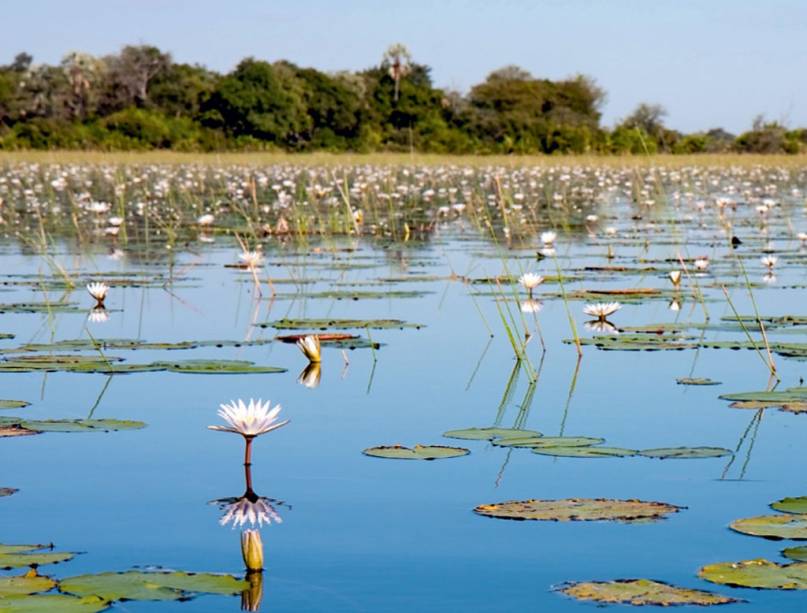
x=591, y=218
x=610, y=230
x=531, y=306
x=769, y=261
x=530, y=280
x=98, y=291
x=702, y=263
x=601, y=310
x=111, y=231
x=206, y=220
x=310, y=347
x=98, y=207
x=115, y=221
x=547, y=252
x=249, y=420
x=548, y=238
x=802, y=236
x=251, y=259
x=675, y=277
x=674, y=305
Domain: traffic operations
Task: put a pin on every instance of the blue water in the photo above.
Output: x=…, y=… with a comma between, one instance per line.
x=364, y=534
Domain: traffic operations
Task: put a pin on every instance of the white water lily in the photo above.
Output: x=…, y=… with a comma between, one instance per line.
x=251, y=259
x=310, y=347
x=532, y=306
x=701, y=263
x=206, y=220
x=675, y=277
x=98, y=291
x=249, y=420
x=802, y=236
x=769, y=261
x=601, y=310
x=548, y=238
x=530, y=280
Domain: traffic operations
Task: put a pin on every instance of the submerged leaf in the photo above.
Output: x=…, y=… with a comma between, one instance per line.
x=641, y=592
x=578, y=509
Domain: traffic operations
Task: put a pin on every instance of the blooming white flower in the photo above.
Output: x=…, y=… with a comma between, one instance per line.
x=601, y=310
x=702, y=263
x=310, y=347
x=251, y=259
x=98, y=291
x=115, y=221
x=548, y=238
x=206, y=220
x=249, y=420
x=802, y=236
x=530, y=280
x=769, y=261
x=675, y=277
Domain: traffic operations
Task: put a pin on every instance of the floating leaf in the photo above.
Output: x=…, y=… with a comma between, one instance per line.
x=578, y=509
x=799, y=554
x=53, y=603
x=20, y=556
x=13, y=404
x=418, y=452
x=796, y=505
x=337, y=324
x=641, y=592
x=219, y=367
x=549, y=441
x=759, y=574
x=696, y=381
x=665, y=453
x=81, y=425
x=9, y=430
x=776, y=527
x=7, y=491
x=151, y=585
x=30, y=583
x=482, y=434
x=586, y=452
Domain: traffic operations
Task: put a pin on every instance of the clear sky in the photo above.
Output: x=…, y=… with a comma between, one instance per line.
x=709, y=62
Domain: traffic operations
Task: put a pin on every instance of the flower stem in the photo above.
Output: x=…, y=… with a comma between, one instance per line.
x=248, y=451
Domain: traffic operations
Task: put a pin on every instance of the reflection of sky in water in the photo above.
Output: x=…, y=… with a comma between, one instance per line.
x=371, y=535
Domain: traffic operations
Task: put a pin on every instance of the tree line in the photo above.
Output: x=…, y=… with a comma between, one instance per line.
x=140, y=98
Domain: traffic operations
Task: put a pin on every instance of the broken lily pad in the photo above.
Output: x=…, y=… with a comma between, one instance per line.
x=578, y=509
x=796, y=505
x=641, y=592
x=777, y=527
x=151, y=585
x=486, y=434
x=418, y=452
x=759, y=574
x=666, y=453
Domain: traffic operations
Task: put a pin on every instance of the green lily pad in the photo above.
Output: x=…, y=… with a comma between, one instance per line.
x=798, y=554
x=219, y=367
x=30, y=583
x=665, y=453
x=20, y=556
x=585, y=452
x=338, y=324
x=82, y=425
x=483, y=434
x=53, y=603
x=641, y=592
x=13, y=404
x=549, y=441
x=793, y=527
x=759, y=574
x=696, y=381
x=578, y=509
x=151, y=585
x=418, y=452
x=796, y=505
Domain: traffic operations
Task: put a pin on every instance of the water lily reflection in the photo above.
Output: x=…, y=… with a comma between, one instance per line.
x=311, y=375
x=249, y=509
x=769, y=277
x=603, y=326
x=531, y=306
x=98, y=315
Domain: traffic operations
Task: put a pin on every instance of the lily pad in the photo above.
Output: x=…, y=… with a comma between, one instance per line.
x=796, y=505
x=219, y=367
x=696, y=381
x=13, y=404
x=29, y=583
x=7, y=491
x=774, y=527
x=665, y=453
x=418, y=452
x=759, y=574
x=151, y=585
x=586, y=452
x=549, y=441
x=82, y=425
x=578, y=509
x=641, y=592
x=338, y=324
x=53, y=603
x=20, y=556
x=483, y=434
x=798, y=554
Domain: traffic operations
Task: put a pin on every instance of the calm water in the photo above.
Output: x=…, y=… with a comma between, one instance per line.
x=363, y=534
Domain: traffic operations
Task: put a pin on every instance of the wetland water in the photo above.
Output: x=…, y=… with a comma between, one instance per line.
x=360, y=533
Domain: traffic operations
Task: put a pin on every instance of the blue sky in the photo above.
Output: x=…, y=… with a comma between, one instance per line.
x=709, y=62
